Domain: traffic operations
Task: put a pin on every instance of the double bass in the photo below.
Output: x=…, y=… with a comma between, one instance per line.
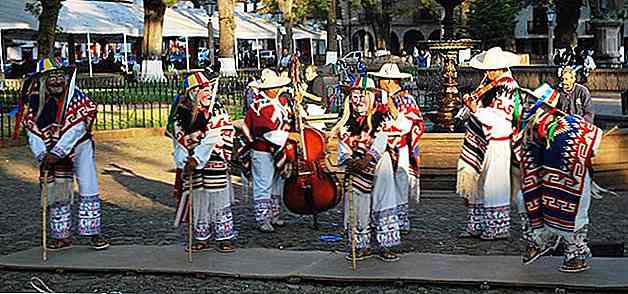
x=310, y=189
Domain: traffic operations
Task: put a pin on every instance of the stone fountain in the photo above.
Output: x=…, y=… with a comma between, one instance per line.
x=448, y=49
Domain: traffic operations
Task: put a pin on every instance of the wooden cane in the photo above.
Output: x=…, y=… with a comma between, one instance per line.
x=352, y=216
x=44, y=218
x=190, y=220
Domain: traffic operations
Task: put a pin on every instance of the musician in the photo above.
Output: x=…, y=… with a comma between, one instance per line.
x=58, y=121
x=404, y=126
x=556, y=165
x=203, y=142
x=361, y=144
x=265, y=130
x=484, y=168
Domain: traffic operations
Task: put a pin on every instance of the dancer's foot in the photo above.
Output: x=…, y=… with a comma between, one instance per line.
x=58, y=245
x=359, y=255
x=575, y=265
x=533, y=252
x=266, y=228
x=199, y=247
x=388, y=255
x=226, y=247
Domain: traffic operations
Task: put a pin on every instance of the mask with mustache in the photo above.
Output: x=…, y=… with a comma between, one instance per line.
x=56, y=83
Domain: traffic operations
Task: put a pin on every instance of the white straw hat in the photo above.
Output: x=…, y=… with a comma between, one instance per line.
x=390, y=71
x=270, y=80
x=494, y=58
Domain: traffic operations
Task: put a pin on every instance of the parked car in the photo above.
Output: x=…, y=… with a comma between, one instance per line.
x=267, y=57
x=353, y=57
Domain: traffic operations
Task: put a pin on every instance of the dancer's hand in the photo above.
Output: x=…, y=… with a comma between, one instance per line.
x=470, y=102
x=190, y=166
x=49, y=161
x=361, y=164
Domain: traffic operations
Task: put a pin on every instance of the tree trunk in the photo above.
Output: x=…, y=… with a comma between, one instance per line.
x=289, y=42
x=154, y=11
x=380, y=22
x=47, y=26
x=210, y=41
x=72, y=49
x=226, y=37
x=567, y=16
x=382, y=35
x=227, y=27
x=331, y=27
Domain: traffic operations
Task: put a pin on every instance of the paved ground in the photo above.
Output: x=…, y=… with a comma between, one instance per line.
x=323, y=266
x=607, y=105
x=139, y=209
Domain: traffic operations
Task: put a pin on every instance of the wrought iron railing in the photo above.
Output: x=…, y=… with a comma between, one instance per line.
x=128, y=104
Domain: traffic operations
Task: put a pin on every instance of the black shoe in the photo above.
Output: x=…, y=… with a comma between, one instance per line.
x=99, y=243
x=58, y=245
x=575, y=265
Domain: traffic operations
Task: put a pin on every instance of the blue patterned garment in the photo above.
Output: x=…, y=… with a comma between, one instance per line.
x=555, y=162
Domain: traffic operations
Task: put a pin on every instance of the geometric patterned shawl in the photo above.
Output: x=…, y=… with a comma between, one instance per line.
x=471, y=159
x=553, y=170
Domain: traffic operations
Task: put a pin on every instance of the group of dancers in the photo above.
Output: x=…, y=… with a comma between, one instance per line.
x=518, y=149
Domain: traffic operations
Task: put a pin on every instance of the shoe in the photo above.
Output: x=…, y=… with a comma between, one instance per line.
x=533, y=252
x=199, y=247
x=359, y=255
x=58, y=245
x=226, y=247
x=266, y=228
x=468, y=235
x=388, y=256
x=99, y=243
x=575, y=265
x=278, y=222
x=502, y=236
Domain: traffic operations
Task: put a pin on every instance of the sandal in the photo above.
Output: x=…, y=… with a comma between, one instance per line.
x=359, y=255
x=58, y=245
x=226, y=247
x=99, y=243
x=388, y=256
x=199, y=247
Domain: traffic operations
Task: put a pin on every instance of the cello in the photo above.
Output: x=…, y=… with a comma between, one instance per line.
x=310, y=189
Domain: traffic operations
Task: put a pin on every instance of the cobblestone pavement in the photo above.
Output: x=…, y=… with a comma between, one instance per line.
x=12, y=281
x=138, y=208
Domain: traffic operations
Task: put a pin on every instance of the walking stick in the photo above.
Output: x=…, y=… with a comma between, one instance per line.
x=44, y=218
x=190, y=220
x=352, y=216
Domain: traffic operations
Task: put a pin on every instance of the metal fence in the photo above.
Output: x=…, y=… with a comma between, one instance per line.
x=130, y=104
x=126, y=104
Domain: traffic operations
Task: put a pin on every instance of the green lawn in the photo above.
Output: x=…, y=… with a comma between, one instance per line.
x=123, y=116
x=112, y=117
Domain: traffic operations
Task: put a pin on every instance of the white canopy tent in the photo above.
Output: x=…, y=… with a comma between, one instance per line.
x=14, y=17
x=127, y=19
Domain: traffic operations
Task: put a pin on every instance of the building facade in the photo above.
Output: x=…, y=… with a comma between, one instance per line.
x=410, y=24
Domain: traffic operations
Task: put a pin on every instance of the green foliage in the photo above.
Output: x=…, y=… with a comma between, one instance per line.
x=493, y=21
x=33, y=7
x=169, y=3
x=301, y=9
x=431, y=6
